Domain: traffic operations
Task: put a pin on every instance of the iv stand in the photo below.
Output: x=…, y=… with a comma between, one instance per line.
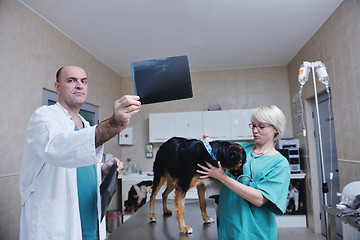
x=325, y=189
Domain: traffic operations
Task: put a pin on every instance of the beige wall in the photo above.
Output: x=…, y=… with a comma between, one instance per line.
x=31, y=51
x=337, y=45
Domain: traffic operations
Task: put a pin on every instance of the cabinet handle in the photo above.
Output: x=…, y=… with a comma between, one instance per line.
x=218, y=137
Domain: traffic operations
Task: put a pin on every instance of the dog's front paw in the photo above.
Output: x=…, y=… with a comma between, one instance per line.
x=152, y=217
x=186, y=230
x=208, y=221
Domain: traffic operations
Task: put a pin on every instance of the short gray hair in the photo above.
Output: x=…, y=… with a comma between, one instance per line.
x=271, y=115
x=58, y=73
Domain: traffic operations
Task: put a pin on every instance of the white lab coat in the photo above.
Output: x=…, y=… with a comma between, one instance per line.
x=48, y=188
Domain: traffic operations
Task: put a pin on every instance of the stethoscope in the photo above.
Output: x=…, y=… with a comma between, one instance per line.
x=253, y=155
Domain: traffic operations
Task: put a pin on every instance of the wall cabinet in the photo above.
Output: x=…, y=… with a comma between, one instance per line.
x=188, y=124
x=161, y=126
x=219, y=125
x=216, y=124
x=239, y=124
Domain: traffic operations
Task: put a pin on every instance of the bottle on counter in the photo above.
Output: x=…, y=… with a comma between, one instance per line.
x=134, y=168
x=128, y=166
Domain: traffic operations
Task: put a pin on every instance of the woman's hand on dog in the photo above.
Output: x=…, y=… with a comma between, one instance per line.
x=105, y=168
x=211, y=171
x=207, y=137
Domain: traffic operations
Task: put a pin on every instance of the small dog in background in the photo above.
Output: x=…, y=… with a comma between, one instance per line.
x=137, y=196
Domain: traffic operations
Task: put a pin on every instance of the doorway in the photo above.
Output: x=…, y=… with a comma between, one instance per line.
x=331, y=171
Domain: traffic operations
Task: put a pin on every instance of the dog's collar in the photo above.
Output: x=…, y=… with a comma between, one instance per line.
x=209, y=149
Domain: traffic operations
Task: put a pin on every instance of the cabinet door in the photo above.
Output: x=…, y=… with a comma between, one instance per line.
x=161, y=126
x=189, y=125
x=239, y=124
x=216, y=124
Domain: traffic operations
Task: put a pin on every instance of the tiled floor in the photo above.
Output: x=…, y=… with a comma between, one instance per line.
x=298, y=234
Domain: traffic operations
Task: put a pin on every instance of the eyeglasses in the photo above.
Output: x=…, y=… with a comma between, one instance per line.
x=260, y=126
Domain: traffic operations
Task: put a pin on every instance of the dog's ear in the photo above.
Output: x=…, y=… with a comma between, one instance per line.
x=237, y=154
x=237, y=159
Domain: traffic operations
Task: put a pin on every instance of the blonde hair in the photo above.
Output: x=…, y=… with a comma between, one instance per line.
x=271, y=115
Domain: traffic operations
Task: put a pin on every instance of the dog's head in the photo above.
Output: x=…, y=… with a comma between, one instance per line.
x=231, y=156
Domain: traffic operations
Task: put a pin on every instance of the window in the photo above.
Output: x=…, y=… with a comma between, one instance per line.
x=87, y=111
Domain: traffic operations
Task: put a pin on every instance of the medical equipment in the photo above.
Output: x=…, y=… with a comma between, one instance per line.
x=323, y=77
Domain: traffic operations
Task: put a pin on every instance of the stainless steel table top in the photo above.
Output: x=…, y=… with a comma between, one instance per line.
x=343, y=214
x=166, y=227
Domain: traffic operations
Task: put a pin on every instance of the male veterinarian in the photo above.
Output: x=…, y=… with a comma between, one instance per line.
x=61, y=170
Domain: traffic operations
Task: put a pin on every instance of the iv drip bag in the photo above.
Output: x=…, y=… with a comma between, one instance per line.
x=322, y=73
x=303, y=74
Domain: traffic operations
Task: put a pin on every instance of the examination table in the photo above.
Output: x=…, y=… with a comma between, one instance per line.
x=138, y=226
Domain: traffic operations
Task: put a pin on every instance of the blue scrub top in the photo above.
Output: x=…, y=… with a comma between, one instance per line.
x=240, y=219
x=87, y=194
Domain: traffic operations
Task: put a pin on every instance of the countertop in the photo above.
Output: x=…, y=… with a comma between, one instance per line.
x=166, y=227
x=136, y=176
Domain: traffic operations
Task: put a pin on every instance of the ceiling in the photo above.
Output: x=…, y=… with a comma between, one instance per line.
x=214, y=34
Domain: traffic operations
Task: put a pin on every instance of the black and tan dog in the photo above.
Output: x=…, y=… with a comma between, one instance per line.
x=176, y=163
x=137, y=196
